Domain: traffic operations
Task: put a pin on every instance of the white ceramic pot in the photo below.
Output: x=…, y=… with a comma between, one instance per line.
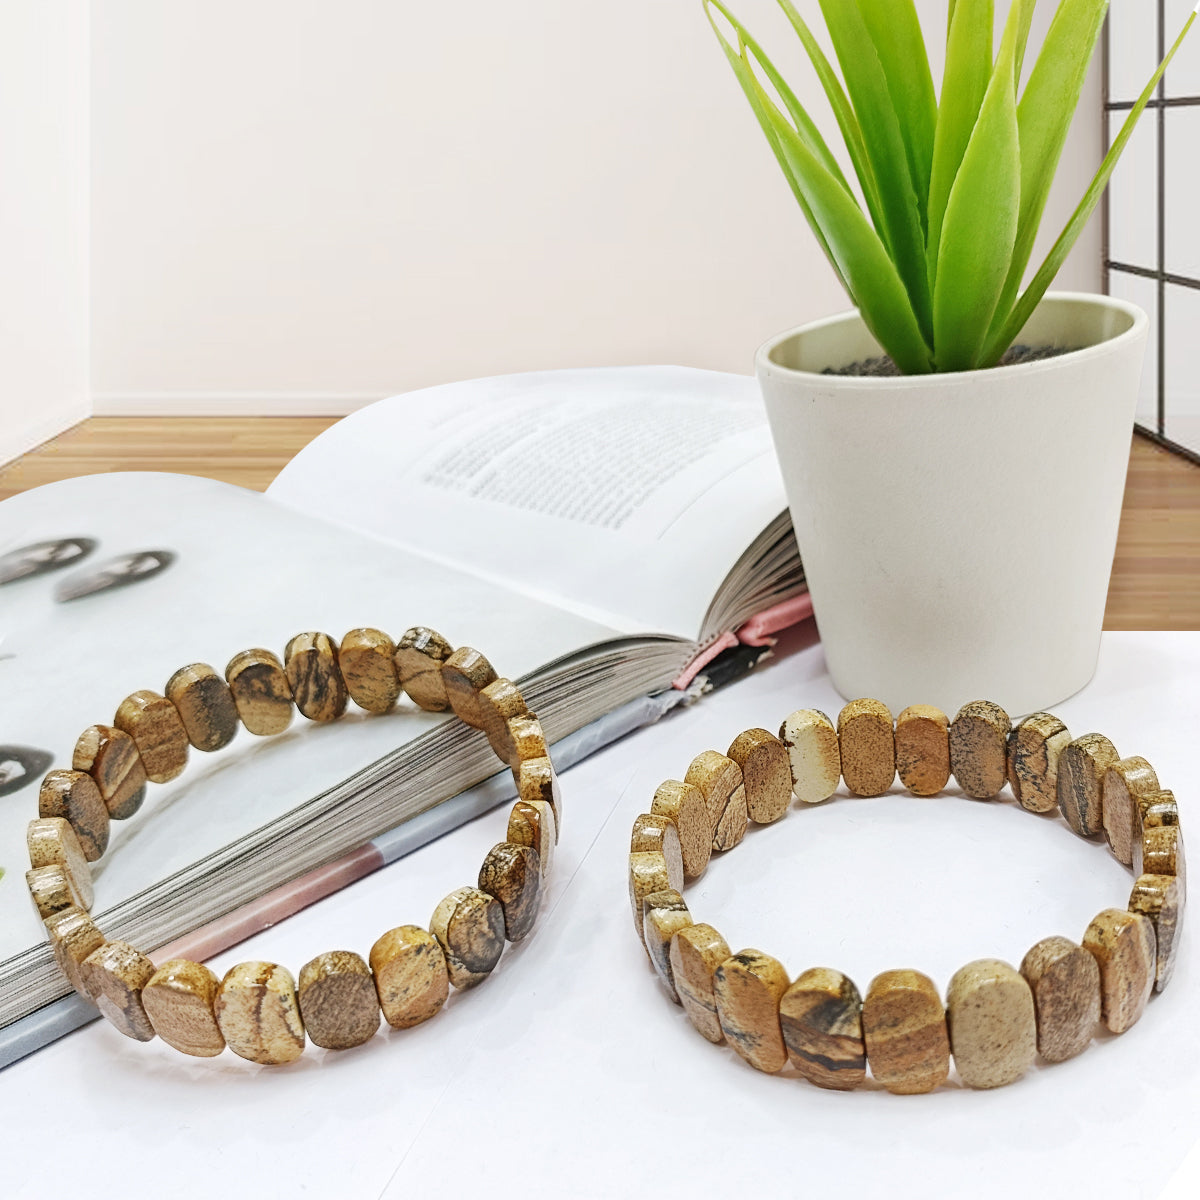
x=958, y=530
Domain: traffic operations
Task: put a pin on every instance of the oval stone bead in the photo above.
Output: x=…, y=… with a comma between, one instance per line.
x=1160, y=898
x=1124, y=781
x=469, y=925
x=1081, y=769
x=1034, y=748
x=52, y=841
x=923, y=749
x=766, y=772
x=205, y=706
x=1065, y=982
x=747, y=987
x=420, y=653
x=979, y=748
x=499, y=703
x=261, y=692
x=512, y=874
x=1160, y=852
x=73, y=937
x=178, y=999
x=110, y=757
x=904, y=1028
x=1154, y=810
x=696, y=952
x=654, y=833
x=537, y=780
x=367, y=662
x=465, y=674
x=116, y=973
x=1123, y=946
x=51, y=889
x=814, y=754
x=337, y=1000
x=411, y=979
x=664, y=914
x=720, y=782
x=74, y=796
x=259, y=1015
x=531, y=823
x=318, y=689
x=650, y=871
x=528, y=740
x=867, y=738
x=992, y=1024
x=821, y=1018
x=683, y=805
x=157, y=730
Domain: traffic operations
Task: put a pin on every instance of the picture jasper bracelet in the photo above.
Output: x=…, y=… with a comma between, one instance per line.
x=995, y=1019
x=257, y=1009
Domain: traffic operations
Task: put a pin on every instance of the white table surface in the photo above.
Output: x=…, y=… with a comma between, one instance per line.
x=569, y=1073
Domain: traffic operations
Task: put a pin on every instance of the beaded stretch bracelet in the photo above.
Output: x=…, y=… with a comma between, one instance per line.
x=995, y=1019
x=258, y=1010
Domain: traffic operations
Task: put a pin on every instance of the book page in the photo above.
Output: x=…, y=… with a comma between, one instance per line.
x=624, y=493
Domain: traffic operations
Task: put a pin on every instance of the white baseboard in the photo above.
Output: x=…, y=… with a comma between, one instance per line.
x=15, y=442
x=230, y=404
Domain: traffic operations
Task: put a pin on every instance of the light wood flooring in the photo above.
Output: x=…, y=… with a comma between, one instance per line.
x=1155, y=582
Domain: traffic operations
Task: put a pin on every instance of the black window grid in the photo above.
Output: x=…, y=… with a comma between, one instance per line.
x=1156, y=110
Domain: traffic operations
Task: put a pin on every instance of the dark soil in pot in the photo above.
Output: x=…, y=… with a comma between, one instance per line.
x=882, y=365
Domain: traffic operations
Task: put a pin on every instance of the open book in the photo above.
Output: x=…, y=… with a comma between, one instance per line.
x=599, y=534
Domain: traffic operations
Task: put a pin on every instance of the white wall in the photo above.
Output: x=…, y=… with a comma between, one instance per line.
x=43, y=220
x=302, y=206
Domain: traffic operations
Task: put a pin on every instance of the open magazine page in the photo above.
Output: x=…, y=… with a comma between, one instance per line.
x=241, y=573
x=624, y=493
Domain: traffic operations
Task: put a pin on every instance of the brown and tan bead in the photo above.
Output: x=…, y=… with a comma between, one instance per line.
x=74, y=797
x=512, y=874
x=420, y=654
x=469, y=926
x=747, y=987
x=904, y=1028
x=537, y=780
x=766, y=772
x=923, y=749
x=652, y=832
x=720, y=781
x=261, y=692
x=696, y=952
x=73, y=937
x=1154, y=810
x=411, y=978
x=52, y=890
x=337, y=1000
x=115, y=975
x=499, y=703
x=465, y=674
x=1082, y=766
x=1160, y=898
x=1160, y=852
x=1124, y=781
x=1034, y=748
x=52, y=841
x=367, y=663
x=814, y=754
x=868, y=743
x=178, y=999
x=683, y=804
x=531, y=823
x=1123, y=946
x=992, y=1023
x=821, y=1018
x=979, y=748
x=157, y=730
x=650, y=871
x=528, y=740
x=258, y=1013
x=1065, y=981
x=664, y=914
x=310, y=661
x=110, y=757
x=205, y=705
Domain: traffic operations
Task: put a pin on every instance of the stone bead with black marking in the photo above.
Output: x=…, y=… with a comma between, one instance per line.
x=52, y=841
x=115, y=974
x=367, y=662
x=1123, y=946
x=821, y=1018
x=258, y=1013
x=683, y=805
x=1065, y=981
x=1034, y=748
x=664, y=914
x=719, y=779
x=205, y=706
x=318, y=689
x=766, y=772
x=1124, y=781
x=157, y=730
x=420, y=653
x=1081, y=769
x=261, y=692
x=73, y=937
x=904, y=1028
x=465, y=674
x=531, y=823
x=979, y=748
x=337, y=1000
x=512, y=874
x=1160, y=898
x=747, y=988
x=111, y=758
x=74, y=796
x=469, y=926
x=696, y=952
x=868, y=745
x=411, y=978
x=178, y=999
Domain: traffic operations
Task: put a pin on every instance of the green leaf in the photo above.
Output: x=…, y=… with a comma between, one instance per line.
x=964, y=83
x=867, y=85
x=1001, y=340
x=980, y=225
x=1044, y=118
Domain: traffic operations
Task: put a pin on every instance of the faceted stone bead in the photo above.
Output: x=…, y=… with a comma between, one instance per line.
x=337, y=1000
x=537, y=780
x=979, y=748
x=528, y=740
x=411, y=979
x=766, y=772
x=1160, y=852
x=1081, y=769
x=1123, y=946
x=531, y=823
x=1065, y=981
x=498, y=703
x=652, y=832
x=683, y=804
x=73, y=937
x=367, y=662
x=904, y=1028
x=178, y=999
x=821, y=1017
x=696, y=952
x=1034, y=748
x=992, y=1024
x=259, y=1015
x=747, y=987
x=110, y=757
x=720, y=781
x=310, y=661
x=419, y=657
x=650, y=871
x=512, y=874
x=261, y=692
x=923, y=749
x=466, y=673
x=469, y=925
x=116, y=973
x=1160, y=897
x=205, y=706
x=157, y=730
x=868, y=744
x=51, y=890
x=664, y=914
x=1124, y=781
x=814, y=754
x=74, y=796
x=52, y=841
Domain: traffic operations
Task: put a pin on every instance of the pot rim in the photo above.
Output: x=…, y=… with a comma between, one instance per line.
x=765, y=364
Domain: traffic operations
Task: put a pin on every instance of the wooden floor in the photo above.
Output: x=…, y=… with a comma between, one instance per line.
x=1155, y=583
